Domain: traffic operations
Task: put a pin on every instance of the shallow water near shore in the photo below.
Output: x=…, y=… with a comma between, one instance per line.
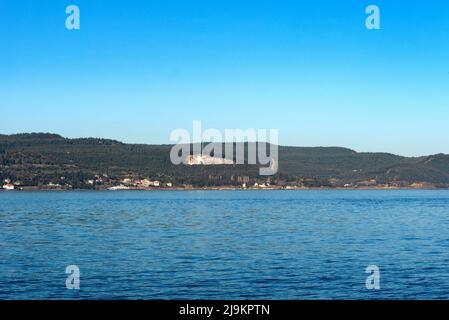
x=301, y=244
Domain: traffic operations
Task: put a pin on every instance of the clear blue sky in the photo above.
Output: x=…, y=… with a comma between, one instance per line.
x=139, y=69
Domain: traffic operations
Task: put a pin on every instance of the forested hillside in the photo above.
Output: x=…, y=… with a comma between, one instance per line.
x=39, y=159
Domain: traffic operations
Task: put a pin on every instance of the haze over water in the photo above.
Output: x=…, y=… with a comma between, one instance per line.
x=225, y=244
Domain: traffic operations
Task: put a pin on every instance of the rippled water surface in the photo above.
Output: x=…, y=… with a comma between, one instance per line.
x=224, y=244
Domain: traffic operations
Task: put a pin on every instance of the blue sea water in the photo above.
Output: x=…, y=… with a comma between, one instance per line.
x=225, y=244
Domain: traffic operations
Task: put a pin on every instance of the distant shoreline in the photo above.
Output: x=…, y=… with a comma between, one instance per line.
x=225, y=189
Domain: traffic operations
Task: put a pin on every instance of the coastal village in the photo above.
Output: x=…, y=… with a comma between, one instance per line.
x=103, y=182
x=214, y=182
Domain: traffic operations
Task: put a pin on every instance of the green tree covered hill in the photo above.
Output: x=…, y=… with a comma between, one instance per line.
x=42, y=158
